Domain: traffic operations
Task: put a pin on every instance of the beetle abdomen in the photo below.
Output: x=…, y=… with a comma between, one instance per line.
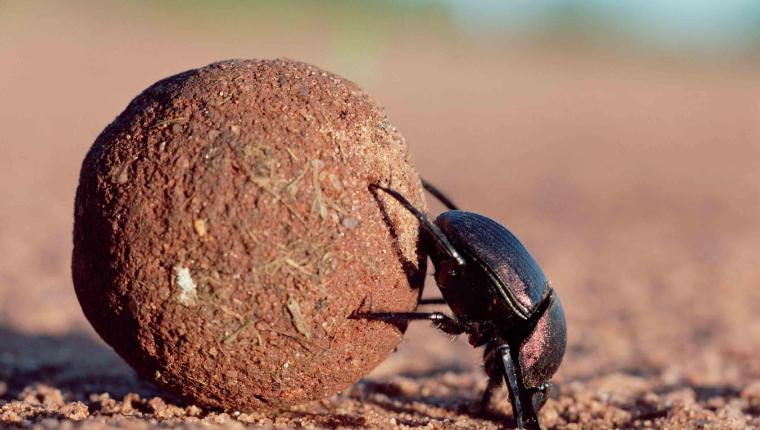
x=542, y=351
x=517, y=277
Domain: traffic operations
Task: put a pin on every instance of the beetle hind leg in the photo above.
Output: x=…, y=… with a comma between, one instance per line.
x=432, y=230
x=438, y=194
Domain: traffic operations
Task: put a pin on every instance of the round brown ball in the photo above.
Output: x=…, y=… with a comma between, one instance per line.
x=225, y=233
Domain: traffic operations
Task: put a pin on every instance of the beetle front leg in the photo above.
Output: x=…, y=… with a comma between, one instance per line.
x=523, y=409
x=440, y=320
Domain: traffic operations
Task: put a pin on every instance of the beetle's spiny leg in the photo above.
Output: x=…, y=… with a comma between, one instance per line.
x=435, y=233
x=440, y=320
x=438, y=194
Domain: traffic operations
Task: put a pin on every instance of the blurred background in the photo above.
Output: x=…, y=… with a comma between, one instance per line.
x=619, y=140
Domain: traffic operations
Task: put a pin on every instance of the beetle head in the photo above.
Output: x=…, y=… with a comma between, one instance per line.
x=540, y=395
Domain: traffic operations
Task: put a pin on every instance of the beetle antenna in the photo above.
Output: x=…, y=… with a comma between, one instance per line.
x=438, y=194
x=428, y=226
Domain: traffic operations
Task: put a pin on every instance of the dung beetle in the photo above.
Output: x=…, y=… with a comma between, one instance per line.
x=499, y=297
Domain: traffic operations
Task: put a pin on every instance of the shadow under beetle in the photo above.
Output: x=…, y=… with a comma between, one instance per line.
x=500, y=298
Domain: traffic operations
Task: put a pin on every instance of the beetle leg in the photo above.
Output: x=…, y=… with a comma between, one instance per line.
x=493, y=385
x=540, y=395
x=436, y=301
x=438, y=194
x=521, y=398
x=440, y=320
x=431, y=229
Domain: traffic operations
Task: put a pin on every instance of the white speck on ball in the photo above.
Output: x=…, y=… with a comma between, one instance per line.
x=187, y=287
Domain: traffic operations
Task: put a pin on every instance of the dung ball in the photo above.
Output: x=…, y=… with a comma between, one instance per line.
x=225, y=234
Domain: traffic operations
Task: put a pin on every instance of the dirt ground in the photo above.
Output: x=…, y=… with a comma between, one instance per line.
x=633, y=181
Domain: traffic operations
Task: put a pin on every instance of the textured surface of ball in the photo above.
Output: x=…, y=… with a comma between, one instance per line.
x=225, y=233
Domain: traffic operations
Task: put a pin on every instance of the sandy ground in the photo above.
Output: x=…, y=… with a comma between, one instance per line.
x=634, y=182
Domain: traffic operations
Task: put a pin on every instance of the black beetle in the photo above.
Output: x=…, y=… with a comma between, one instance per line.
x=500, y=298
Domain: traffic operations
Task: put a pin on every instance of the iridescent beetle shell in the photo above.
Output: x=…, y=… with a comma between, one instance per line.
x=510, y=273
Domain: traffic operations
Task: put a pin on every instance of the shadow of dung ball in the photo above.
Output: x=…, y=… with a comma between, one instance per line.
x=225, y=233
